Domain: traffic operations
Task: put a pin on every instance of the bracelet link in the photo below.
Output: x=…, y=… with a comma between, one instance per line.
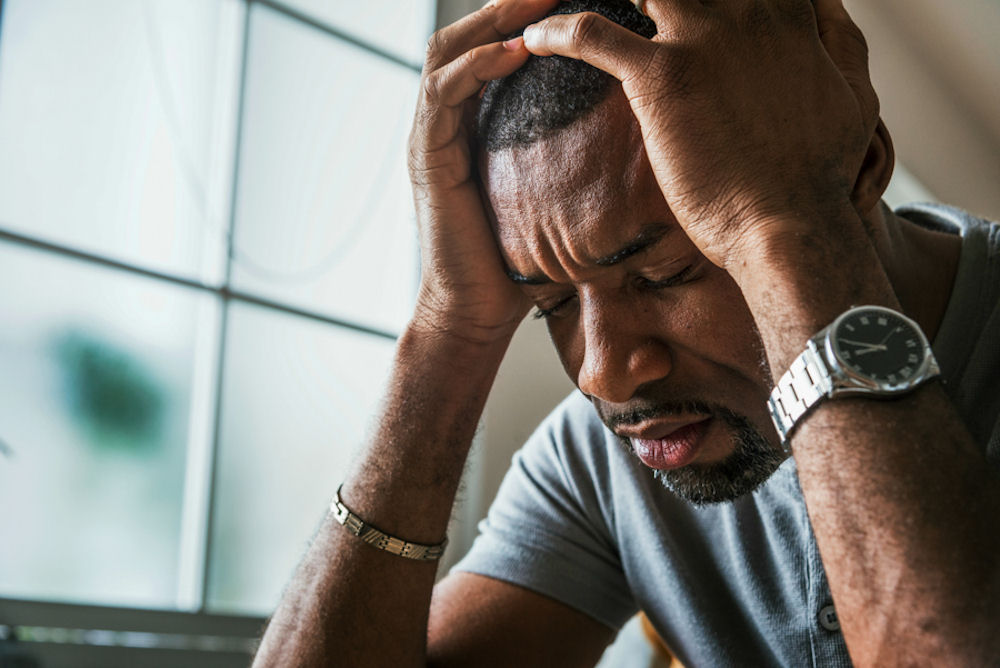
x=353, y=524
x=381, y=540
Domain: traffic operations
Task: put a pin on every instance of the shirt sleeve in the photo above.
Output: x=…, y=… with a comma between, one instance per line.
x=548, y=529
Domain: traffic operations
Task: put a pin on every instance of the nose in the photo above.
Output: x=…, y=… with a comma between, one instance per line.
x=622, y=350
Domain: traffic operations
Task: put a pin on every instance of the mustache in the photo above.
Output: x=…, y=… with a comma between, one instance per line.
x=640, y=414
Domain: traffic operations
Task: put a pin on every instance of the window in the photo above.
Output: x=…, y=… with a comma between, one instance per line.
x=207, y=249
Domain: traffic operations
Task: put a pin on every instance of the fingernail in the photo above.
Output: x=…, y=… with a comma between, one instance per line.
x=529, y=32
x=514, y=44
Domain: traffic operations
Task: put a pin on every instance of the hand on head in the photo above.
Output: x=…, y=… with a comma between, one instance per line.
x=463, y=286
x=755, y=114
x=752, y=111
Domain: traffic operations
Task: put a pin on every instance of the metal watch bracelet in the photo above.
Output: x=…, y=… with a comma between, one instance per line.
x=381, y=540
x=805, y=382
x=826, y=369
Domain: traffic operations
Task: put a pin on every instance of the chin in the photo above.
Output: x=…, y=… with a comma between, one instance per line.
x=751, y=462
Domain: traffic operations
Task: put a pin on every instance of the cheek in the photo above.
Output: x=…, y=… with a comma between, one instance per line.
x=726, y=325
x=568, y=338
x=569, y=350
x=707, y=320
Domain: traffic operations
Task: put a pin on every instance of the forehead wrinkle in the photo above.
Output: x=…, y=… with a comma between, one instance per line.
x=575, y=228
x=576, y=197
x=554, y=233
x=548, y=251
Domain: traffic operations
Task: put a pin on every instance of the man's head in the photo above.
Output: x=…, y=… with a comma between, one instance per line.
x=660, y=339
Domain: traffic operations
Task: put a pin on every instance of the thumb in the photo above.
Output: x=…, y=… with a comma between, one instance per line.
x=590, y=37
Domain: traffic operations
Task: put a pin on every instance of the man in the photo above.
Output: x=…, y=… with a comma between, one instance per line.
x=685, y=234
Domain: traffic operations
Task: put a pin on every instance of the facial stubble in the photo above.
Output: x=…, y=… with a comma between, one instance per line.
x=753, y=460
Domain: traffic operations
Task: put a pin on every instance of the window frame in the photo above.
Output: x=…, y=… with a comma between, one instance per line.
x=190, y=616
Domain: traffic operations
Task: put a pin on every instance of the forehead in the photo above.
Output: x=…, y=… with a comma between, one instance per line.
x=576, y=196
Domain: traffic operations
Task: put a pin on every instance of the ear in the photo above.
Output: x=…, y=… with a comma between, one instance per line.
x=876, y=170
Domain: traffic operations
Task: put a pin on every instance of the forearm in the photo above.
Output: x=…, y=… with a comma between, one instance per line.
x=350, y=603
x=901, y=500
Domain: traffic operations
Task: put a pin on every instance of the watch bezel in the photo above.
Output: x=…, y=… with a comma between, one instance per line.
x=847, y=381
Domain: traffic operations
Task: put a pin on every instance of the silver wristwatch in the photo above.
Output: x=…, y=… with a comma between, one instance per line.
x=869, y=351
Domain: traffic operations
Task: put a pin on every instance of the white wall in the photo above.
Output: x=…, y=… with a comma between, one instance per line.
x=936, y=66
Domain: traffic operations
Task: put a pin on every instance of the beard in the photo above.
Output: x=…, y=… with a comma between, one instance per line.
x=753, y=459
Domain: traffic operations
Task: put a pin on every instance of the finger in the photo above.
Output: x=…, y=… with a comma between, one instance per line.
x=446, y=89
x=593, y=39
x=668, y=15
x=462, y=78
x=492, y=23
x=847, y=48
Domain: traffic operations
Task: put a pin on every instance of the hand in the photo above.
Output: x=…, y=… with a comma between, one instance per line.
x=756, y=114
x=463, y=288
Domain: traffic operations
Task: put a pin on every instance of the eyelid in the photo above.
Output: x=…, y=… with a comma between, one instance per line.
x=541, y=313
x=670, y=281
x=676, y=279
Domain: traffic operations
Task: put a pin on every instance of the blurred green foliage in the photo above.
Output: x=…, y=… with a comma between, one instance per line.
x=117, y=402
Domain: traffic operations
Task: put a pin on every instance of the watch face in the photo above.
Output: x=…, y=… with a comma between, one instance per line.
x=879, y=344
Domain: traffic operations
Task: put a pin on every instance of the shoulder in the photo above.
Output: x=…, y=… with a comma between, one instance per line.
x=965, y=344
x=945, y=218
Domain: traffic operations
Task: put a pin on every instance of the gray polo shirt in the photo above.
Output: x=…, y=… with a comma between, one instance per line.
x=736, y=584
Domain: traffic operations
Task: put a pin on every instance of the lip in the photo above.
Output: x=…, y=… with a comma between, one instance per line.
x=665, y=446
x=658, y=429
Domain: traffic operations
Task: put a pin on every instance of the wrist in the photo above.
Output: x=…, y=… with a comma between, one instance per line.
x=455, y=348
x=463, y=327
x=803, y=272
x=788, y=236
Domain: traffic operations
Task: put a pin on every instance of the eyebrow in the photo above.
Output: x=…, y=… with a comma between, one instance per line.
x=648, y=236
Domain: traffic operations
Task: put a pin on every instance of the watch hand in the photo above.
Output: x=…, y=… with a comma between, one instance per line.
x=859, y=353
x=873, y=346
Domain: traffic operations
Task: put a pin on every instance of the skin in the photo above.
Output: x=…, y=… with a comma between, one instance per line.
x=628, y=335
x=908, y=560
x=775, y=198
x=561, y=204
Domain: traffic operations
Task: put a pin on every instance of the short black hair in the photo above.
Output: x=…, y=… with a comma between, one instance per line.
x=550, y=93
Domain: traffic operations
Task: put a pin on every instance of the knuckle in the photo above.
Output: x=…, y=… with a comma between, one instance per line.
x=468, y=60
x=435, y=44
x=797, y=13
x=853, y=32
x=584, y=26
x=431, y=86
x=413, y=161
x=846, y=36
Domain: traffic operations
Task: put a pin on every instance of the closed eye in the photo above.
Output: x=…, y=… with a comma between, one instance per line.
x=641, y=281
x=669, y=282
x=541, y=313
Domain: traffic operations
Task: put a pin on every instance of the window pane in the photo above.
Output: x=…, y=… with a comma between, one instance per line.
x=116, y=126
x=297, y=397
x=324, y=210
x=95, y=414
x=400, y=27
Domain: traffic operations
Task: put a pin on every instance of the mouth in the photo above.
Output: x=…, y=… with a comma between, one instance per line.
x=664, y=445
